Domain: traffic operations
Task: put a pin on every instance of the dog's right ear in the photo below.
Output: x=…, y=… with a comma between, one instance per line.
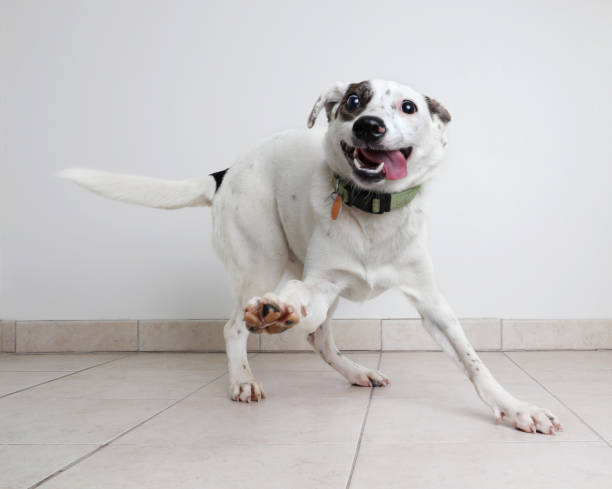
x=327, y=99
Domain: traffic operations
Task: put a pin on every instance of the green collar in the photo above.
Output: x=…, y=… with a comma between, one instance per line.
x=373, y=202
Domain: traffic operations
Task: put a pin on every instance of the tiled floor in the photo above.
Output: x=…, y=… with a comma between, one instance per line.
x=162, y=420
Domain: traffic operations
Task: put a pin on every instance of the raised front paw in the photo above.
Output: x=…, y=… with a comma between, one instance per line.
x=246, y=390
x=530, y=419
x=269, y=314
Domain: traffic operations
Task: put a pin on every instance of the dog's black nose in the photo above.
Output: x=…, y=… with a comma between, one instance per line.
x=369, y=128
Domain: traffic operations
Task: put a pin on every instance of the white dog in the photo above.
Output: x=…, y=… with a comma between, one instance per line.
x=340, y=212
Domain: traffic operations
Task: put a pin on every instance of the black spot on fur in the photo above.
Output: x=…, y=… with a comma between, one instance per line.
x=218, y=176
x=265, y=310
x=436, y=108
x=364, y=91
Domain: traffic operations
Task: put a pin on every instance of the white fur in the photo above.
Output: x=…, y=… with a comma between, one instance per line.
x=272, y=218
x=151, y=192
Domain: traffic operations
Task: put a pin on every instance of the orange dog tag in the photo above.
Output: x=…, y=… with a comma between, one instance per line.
x=336, y=206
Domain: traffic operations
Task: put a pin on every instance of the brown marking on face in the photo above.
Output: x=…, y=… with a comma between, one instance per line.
x=436, y=108
x=365, y=93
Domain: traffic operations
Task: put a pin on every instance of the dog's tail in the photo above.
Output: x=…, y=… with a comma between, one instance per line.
x=150, y=192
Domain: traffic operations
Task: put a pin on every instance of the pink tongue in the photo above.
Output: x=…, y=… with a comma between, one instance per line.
x=395, y=163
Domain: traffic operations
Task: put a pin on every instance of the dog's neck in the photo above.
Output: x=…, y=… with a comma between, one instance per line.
x=369, y=201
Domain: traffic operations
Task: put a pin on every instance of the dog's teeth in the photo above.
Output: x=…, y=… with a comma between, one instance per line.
x=370, y=171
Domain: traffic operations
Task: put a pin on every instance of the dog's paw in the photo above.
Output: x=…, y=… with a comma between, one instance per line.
x=246, y=390
x=269, y=314
x=369, y=378
x=530, y=419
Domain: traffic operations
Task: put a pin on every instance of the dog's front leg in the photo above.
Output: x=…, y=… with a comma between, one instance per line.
x=441, y=323
x=300, y=303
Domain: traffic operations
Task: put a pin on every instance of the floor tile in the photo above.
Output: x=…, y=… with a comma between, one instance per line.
x=24, y=465
x=293, y=384
x=71, y=421
x=429, y=399
x=14, y=381
x=54, y=362
x=320, y=466
x=478, y=465
x=173, y=361
x=581, y=380
x=305, y=361
x=207, y=421
x=108, y=382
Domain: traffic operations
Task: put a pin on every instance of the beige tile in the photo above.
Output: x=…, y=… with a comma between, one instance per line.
x=7, y=336
x=439, y=367
x=70, y=421
x=55, y=336
x=320, y=466
x=54, y=362
x=478, y=465
x=349, y=334
x=185, y=335
x=14, y=381
x=293, y=339
x=587, y=334
x=112, y=382
x=357, y=334
x=296, y=384
x=305, y=361
x=22, y=466
x=430, y=400
x=581, y=379
x=409, y=334
x=172, y=361
x=212, y=421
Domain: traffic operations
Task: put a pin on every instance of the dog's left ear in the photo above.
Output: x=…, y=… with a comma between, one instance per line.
x=437, y=110
x=327, y=99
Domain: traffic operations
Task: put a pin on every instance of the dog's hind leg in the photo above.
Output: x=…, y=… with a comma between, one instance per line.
x=322, y=340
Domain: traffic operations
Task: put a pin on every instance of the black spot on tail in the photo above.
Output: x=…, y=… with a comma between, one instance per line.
x=218, y=176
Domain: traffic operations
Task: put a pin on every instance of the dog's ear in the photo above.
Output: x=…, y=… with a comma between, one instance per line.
x=437, y=110
x=327, y=99
x=440, y=117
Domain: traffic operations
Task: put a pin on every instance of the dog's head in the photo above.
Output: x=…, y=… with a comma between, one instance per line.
x=382, y=135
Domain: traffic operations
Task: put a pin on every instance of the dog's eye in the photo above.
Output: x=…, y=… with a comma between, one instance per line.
x=352, y=102
x=409, y=107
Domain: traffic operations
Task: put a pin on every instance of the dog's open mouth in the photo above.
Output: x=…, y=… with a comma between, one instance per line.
x=374, y=164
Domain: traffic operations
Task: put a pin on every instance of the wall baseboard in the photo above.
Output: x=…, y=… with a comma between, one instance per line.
x=351, y=334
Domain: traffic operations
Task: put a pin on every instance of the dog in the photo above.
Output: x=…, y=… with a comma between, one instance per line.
x=339, y=212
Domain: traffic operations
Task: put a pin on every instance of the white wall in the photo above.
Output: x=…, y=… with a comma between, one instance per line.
x=521, y=218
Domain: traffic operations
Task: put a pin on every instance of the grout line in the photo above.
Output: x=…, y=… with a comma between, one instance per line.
x=363, y=425
x=559, y=400
x=62, y=376
x=104, y=445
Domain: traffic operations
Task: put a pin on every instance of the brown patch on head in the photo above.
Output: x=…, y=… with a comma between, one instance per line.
x=364, y=91
x=436, y=108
